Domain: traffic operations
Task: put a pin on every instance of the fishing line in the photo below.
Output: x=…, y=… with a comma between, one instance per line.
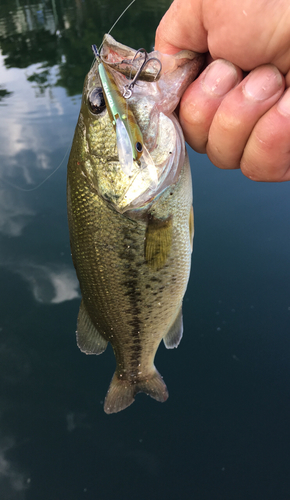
x=121, y=15
x=42, y=182
x=112, y=27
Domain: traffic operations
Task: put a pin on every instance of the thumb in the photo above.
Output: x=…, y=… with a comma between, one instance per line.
x=182, y=28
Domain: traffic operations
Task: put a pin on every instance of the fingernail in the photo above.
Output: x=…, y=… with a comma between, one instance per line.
x=283, y=105
x=220, y=77
x=263, y=83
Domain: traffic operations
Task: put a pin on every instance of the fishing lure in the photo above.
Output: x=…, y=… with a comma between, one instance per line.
x=128, y=133
x=130, y=143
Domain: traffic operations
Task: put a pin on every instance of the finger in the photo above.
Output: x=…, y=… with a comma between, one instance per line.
x=239, y=112
x=202, y=99
x=267, y=153
x=287, y=79
x=181, y=28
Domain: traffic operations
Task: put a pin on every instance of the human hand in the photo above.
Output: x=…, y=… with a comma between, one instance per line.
x=239, y=121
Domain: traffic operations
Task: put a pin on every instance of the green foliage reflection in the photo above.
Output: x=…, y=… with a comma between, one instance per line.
x=61, y=32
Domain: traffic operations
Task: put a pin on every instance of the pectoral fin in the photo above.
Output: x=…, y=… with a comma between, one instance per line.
x=158, y=242
x=174, y=336
x=89, y=339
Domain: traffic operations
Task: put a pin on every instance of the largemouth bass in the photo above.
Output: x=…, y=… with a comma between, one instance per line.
x=131, y=232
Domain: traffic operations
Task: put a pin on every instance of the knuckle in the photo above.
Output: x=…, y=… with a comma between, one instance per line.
x=263, y=157
x=263, y=168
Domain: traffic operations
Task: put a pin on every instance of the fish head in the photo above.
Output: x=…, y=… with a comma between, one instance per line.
x=153, y=101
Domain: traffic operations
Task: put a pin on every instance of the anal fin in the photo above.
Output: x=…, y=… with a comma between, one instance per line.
x=121, y=393
x=89, y=339
x=174, y=335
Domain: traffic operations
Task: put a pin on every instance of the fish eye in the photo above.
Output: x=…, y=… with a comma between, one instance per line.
x=139, y=147
x=97, y=101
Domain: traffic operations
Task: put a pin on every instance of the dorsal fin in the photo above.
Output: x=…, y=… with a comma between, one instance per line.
x=89, y=339
x=174, y=335
x=158, y=242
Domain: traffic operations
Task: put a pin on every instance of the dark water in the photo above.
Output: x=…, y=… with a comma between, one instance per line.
x=224, y=432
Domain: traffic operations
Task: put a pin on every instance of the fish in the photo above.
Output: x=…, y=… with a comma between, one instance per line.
x=131, y=231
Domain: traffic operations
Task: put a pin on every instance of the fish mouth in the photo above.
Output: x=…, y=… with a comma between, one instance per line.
x=122, y=59
x=123, y=180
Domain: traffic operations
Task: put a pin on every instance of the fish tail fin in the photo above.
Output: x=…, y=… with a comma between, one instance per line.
x=121, y=393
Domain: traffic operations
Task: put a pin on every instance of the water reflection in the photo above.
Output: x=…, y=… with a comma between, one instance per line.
x=225, y=427
x=61, y=33
x=14, y=213
x=32, y=126
x=46, y=47
x=45, y=54
x=13, y=483
x=3, y=94
x=50, y=284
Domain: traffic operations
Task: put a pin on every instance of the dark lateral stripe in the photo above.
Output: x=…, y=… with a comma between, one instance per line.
x=130, y=282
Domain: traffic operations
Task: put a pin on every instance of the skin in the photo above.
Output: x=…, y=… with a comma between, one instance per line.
x=238, y=109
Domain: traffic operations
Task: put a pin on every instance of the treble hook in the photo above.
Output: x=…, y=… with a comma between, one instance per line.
x=128, y=88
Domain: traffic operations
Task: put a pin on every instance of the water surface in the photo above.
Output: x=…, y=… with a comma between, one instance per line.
x=224, y=432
